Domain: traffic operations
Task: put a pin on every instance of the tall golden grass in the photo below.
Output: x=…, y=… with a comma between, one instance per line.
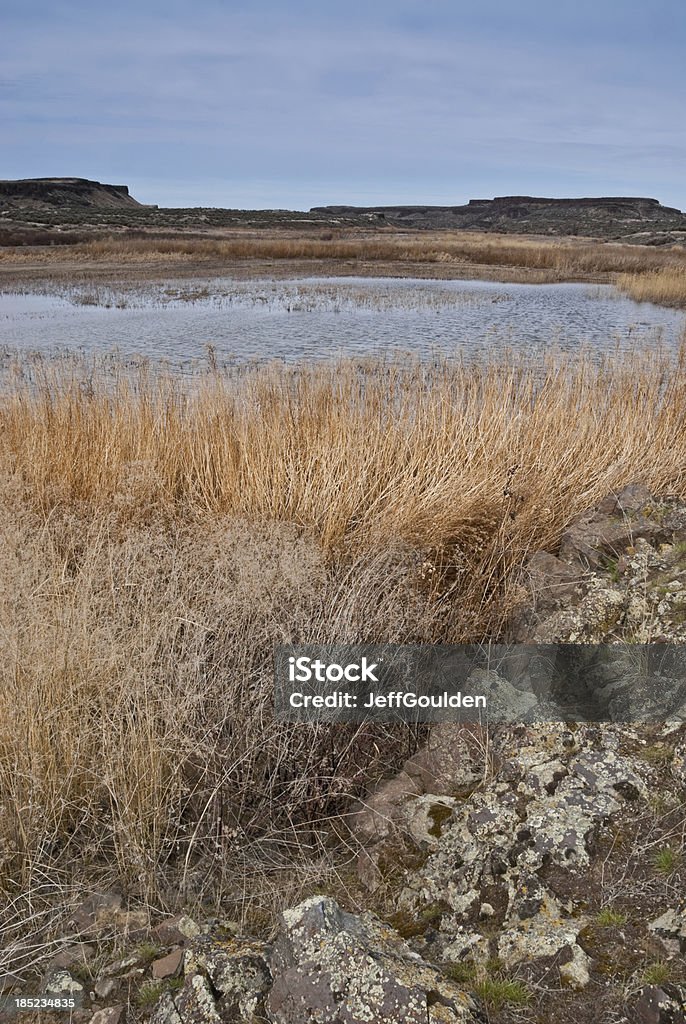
x=561, y=258
x=157, y=539
x=666, y=287
x=557, y=259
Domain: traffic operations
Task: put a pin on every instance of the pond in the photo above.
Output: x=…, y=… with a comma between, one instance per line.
x=315, y=318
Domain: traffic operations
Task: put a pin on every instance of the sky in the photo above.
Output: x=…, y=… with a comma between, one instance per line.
x=288, y=104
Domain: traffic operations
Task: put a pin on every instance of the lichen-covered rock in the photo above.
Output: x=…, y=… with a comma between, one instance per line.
x=196, y=1003
x=551, y=794
x=109, y=1015
x=597, y=536
x=678, y=766
x=165, y=1011
x=536, y=925
x=659, y=1004
x=620, y=573
x=445, y=764
x=574, y=973
x=670, y=928
x=61, y=983
x=337, y=968
x=237, y=970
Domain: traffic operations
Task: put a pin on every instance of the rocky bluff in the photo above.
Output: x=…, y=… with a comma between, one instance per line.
x=608, y=217
x=53, y=192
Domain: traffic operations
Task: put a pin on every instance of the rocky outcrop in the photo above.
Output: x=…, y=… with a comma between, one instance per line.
x=325, y=965
x=36, y=193
x=619, y=574
x=609, y=217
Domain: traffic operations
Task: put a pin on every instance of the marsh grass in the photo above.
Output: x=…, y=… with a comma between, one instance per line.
x=666, y=287
x=159, y=537
x=563, y=258
x=552, y=259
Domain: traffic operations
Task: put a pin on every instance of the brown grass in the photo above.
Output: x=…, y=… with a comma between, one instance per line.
x=666, y=287
x=156, y=541
x=559, y=259
x=562, y=258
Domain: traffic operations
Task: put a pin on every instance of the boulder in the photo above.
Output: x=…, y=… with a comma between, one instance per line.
x=339, y=968
x=593, y=539
x=659, y=1004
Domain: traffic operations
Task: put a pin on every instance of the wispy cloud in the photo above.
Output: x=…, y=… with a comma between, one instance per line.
x=422, y=98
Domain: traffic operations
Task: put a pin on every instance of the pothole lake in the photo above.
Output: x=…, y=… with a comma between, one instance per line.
x=314, y=318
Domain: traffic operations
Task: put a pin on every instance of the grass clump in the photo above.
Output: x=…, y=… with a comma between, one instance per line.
x=463, y=973
x=667, y=860
x=608, y=917
x=658, y=973
x=148, y=994
x=499, y=993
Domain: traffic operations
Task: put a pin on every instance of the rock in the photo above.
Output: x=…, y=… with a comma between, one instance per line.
x=237, y=970
x=678, y=766
x=75, y=953
x=109, y=1015
x=61, y=983
x=552, y=582
x=537, y=928
x=336, y=967
x=597, y=614
x=176, y=931
x=633, y=498
x=574, y=973
x=593, y=539
x=670, y=928
x=427, y=816
x=659, y=1004
x=196, y=1003
x=636, y=219
x=80, y=192
x=104, y=987
x=165, y=1012
x=552, y=793
x=168, y=966
x=505, y=701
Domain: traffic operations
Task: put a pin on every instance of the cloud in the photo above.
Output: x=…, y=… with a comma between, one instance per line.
x=370, y=93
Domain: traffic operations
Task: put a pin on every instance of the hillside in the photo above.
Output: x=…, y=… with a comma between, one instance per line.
x=37, y=193
x=48, y=210
x=610, y=217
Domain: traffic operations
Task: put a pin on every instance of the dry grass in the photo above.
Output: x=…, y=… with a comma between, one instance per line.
x=557, y=259
x=157, y=542
x=562, y=258
x=666, y=287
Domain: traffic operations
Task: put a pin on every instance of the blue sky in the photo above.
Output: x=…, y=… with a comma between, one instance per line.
x=295, y=103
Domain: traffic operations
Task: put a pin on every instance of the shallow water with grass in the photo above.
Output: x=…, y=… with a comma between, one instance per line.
x=315, y=318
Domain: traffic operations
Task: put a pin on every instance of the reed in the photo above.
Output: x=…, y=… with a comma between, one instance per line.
x=666, y=287
x=560, y=257
x=157, y=539
x=555, y=259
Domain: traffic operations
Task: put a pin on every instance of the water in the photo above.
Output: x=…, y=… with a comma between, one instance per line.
x=316, y=318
